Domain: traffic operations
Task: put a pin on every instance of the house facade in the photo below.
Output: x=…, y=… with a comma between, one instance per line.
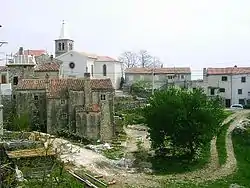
x=76, y=64
x=161, y=77
x=83, y=107
x=231, y=83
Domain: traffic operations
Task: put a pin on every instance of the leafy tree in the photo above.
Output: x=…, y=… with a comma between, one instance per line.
x=141, y=88
x=188, y=119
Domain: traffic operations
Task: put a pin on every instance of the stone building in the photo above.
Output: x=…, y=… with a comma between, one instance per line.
x=81, y=106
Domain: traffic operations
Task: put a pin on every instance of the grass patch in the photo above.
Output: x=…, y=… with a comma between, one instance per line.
x=241, y=142
x=221, y=143
x=114, y=153
x=170, y=165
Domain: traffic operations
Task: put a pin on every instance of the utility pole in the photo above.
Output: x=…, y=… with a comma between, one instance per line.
x=1, y=106
x=153, y=76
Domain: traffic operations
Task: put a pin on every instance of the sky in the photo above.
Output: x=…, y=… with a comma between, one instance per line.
x=193, y=33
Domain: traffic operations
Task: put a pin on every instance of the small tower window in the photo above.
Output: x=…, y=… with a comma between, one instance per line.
x=87, y=69
x=103, y=97
x=104, y=69
x=70, y=46
x=15, y=80
x=59, y=46
x=62, y=46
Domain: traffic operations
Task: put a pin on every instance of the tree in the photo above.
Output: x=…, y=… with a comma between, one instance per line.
x=129, y=59
x=188, y=119
x=147, y=60
x=141, y=88
x=140, y=59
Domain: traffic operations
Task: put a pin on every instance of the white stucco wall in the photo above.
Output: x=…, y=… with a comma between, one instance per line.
x=79, y=60
x=231, y=86
x=114, y=71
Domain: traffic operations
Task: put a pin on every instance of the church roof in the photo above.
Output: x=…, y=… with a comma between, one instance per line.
x=105, y=58
x=58, y=86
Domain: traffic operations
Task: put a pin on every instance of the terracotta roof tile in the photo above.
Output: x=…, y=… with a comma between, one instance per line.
x=228, y=70
x=168, y=70
x=58, y=86
x=33, y=52
x=51, y=66
x=105, y=58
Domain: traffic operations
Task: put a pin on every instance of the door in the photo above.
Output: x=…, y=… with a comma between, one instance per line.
x=228, y=103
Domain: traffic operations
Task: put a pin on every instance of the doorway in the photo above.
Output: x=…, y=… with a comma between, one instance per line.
x=228, y=103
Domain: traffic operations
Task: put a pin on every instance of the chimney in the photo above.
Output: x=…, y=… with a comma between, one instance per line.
x=204, y=74
x=235, y=66
x=161, y=65
x=87, y=89
x=51, y=58
x=21, y=51
x=47, y=78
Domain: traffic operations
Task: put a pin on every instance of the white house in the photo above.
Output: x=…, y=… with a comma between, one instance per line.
x=231, y=83
x=161, y=77
x=75, y=63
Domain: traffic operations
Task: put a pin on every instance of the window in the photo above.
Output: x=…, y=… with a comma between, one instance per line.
x=62, y=46
x=35, y=97
x=64, y=115
x=212, y=91
x=170, y=77
x=104, y=69
x=92, y=70
x=70, y=46
x=103, y=97
x=248, y=93
x=14, y=96
x=87, y=69
x=59, y=46
x=224, y=78
x=239, y=91
x=15, y=80
x=3, y=79
x=243, y=79
x=194, y=88
x=222, y=90
x=71, y=65
x=63, y=101
x=182, y=76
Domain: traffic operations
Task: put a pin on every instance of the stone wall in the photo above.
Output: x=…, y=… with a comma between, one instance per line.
x=20, y=72
x=32, y=104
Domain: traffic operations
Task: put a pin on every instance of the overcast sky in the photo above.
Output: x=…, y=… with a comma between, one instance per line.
x=195, y=33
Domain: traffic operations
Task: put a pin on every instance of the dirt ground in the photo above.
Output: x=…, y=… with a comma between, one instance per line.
x=100, y=165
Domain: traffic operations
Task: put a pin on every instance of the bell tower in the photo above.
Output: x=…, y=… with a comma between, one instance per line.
x=63, y=44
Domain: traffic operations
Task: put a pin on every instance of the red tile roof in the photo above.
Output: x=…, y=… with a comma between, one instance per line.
x=168, y=70
x=105, y=58
x=228, y=70
x=33, y=52
x=56, y=87
x=48, y=67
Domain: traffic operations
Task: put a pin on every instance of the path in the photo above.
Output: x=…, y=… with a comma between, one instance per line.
x=212, y=171
x=101, y=165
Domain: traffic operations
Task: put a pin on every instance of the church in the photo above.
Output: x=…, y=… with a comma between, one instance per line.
x=76, y=64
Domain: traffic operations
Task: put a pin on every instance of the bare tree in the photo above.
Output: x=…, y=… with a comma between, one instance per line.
x=129, y=59
x=140, y=59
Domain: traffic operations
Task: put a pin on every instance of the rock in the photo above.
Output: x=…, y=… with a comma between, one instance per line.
x=235, y=185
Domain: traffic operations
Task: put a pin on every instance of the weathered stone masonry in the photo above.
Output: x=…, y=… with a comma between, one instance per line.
x=81, y=106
